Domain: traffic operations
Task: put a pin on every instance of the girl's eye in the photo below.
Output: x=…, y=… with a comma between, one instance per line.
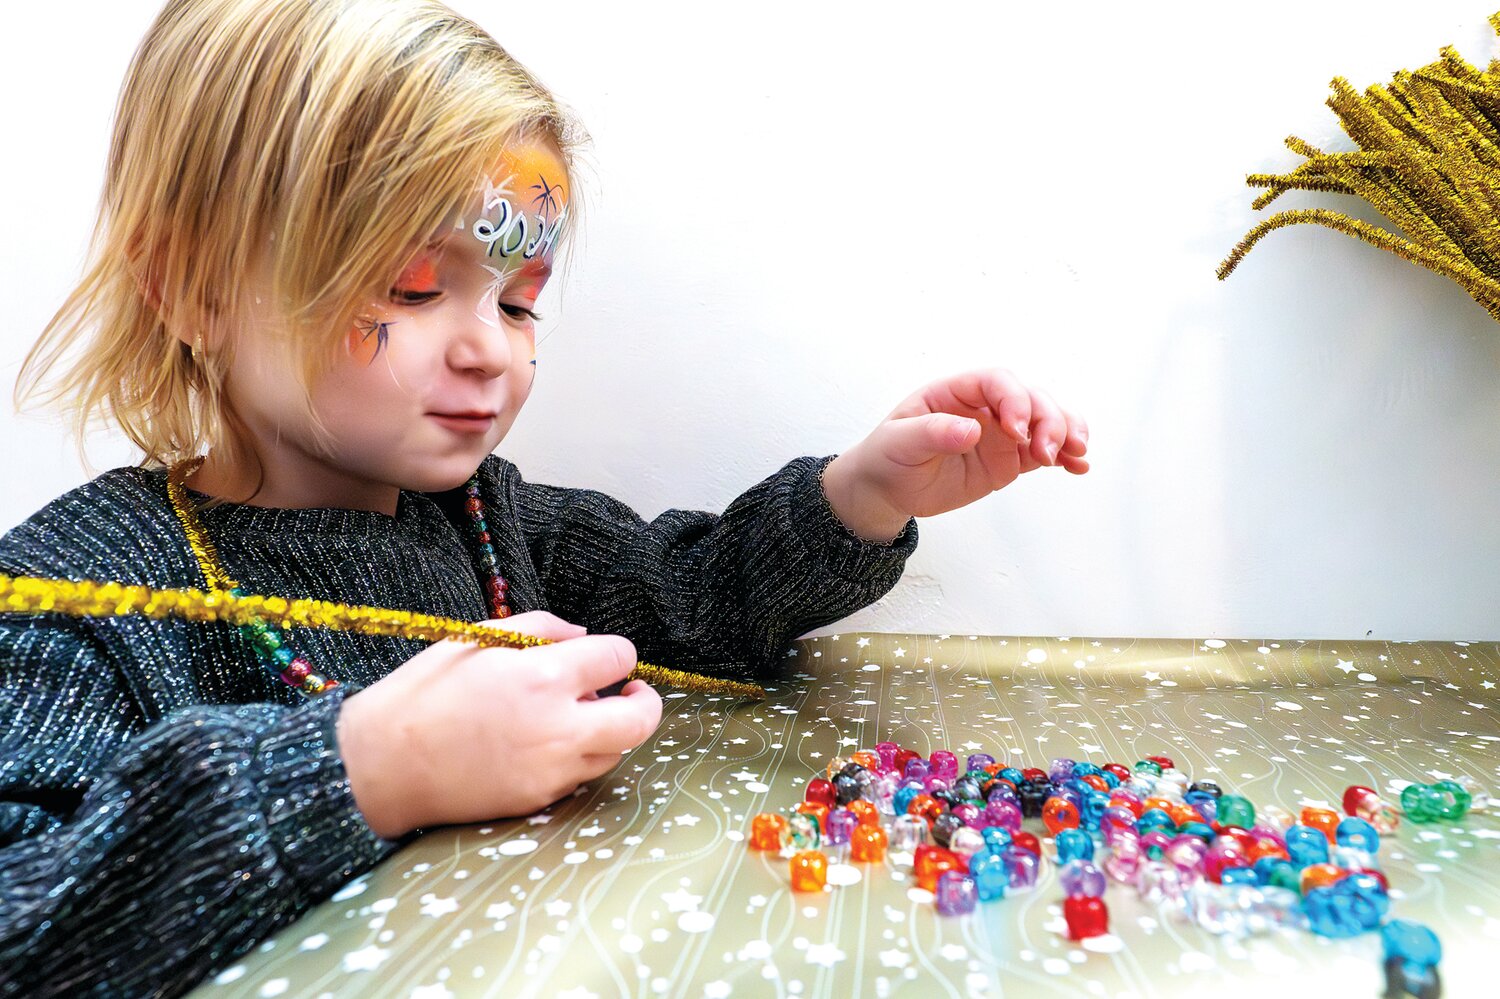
x=518, y=312
x=403, y=296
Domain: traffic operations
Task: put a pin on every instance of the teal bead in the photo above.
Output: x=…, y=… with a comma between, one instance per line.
x=1235, y=811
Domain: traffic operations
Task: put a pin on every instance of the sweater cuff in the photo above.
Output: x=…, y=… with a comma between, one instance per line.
x=319, y=831
x=844, y=553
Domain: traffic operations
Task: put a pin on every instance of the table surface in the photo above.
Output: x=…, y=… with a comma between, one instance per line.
x=642, y=884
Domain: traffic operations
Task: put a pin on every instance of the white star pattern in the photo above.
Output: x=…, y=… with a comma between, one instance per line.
x=439, y=906
x=1345, y=665
x=824, y=954
x=366, y=959
x=862, y=642
x=682, y=900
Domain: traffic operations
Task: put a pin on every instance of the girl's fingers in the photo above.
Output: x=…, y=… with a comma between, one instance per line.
x=1008, y=399
x=1049, y=428
x=539, y=624
x=591, y=662
x=1077, y=443
x=617, y=724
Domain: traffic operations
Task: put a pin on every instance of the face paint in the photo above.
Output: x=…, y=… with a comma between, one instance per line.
x=367, y=338
x=520, y=221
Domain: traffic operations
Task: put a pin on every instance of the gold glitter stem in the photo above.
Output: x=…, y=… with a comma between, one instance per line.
x=31, y=595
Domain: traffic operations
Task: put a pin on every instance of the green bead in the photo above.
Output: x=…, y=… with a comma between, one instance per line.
x=1455, y=799
x=1235, y=811
x=1148, y=767
x=803, y=831
x=1286, y=876
x=1421, y=803
x=283, y=656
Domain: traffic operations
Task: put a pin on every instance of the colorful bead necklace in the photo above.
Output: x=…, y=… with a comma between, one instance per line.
x=266, y=637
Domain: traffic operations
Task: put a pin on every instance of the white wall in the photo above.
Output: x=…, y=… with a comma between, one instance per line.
x=802, y=211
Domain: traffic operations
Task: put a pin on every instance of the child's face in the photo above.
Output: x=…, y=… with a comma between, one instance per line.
x=431, y=376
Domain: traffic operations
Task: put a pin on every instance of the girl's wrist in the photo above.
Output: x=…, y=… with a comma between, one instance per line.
x=858, y=506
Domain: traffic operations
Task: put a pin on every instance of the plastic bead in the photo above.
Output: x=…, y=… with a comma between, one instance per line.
x=1026, y=841
x=908, y=832
x=1003, y=814
x=1079, y=877
x=803, y=832
x=966, y=842
x=887, y=752
x=1305, y=845
x=944, y=826
x=820, y=792
x=1021, y=866
x=1086, y=916
x=767, y=830
x=845, y=787
x=1059, y=814
x=930, y=862
x=1238, y=876
x=1413, y=951
x=1325, y=820
x=1455, y=800
x=1161, y=884
x=1074, y=844
x=969, y=815
x=834, y=766
x=1124, y=859
x=869, y=759
x=1236, y=811
x=957, y=894
x=809, y=871
x=818, y=813
x=944, y=763
x=995, y=838
x=1224, y=852
x=865, y=813
x=990, y=875
x=1060, y=770
x=867, y=844
x=978, y=761
x=1358, y=833
x=839, y=825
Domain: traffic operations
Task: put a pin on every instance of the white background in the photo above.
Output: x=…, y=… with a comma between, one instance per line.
x=798, y=213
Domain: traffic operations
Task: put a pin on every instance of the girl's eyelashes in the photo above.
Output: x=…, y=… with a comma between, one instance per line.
x=520, y=312
x=406, y=296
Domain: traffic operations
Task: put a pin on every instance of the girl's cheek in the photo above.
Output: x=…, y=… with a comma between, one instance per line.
x=367, y=337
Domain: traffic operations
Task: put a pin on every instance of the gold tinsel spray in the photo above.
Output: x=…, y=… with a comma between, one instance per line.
x=1428, y=160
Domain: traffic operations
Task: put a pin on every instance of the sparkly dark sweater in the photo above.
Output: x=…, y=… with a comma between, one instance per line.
x=165, y=803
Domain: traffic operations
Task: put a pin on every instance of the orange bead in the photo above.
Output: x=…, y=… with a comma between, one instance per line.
x=1182, y=813
x=867, y=843
x=1098, y=783
x=766, y=831
x=930, y=862
x=1321, y=876
x=926, y=806
x=865, y=812
x=1325, y=820
x=1059, y=814
x=866, y=758
x=1165, y=804
x=817, y=811
x=809, y=871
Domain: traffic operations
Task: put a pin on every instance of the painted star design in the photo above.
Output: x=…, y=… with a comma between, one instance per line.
x=687, y=820
x=1090, y=749
x=1152, y=675
x=744, y=775
x=863, y=642
x=539, y=820
x=682, y=900
x=899, y=653
x=740, y=741
x=1488, y=684
x=1345, y=665
x=557, y=908
x=825, y=954
x=592, y=830
x=439, y=906
x=366, y=959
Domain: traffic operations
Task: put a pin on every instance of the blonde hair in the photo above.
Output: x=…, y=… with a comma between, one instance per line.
x=338, y=133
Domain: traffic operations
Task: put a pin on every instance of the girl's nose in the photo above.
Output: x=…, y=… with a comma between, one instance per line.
x=482, y=346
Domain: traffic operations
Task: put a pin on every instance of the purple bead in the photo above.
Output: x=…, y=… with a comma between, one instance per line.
x=839, y=824
x=1186, y=853
x=1080, y=877
x=1155, y=840
x=973, y=817
x=956, y=894
x=1060, y=770
x=936, y=783
x=978, y=761
x=1004, y=792
x=883, y=791
x=1116, y=821
x=917, y=769
x=1021, y=865
x=1005, y=814
x=944, y=763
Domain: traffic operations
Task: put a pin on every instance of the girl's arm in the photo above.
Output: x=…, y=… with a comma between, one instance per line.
x=695, y=589
x=140, y=858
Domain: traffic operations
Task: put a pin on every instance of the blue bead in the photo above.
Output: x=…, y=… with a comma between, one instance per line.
x=1306, y=845
x=902, y=798
x=1094, y=804
x=1085, y=769
x=1074, y=844
x=1331, y=913
x=1153, y=818
x=283, y=656
x=1411, y=942
x=1356, y=832
x=996, y=839
x=1202, y=830
x=991, y=877
x=1110, y=779
x=1013, y=775
x=1238, y=876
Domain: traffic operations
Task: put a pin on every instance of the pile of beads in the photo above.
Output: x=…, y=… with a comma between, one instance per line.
x=1187, y=846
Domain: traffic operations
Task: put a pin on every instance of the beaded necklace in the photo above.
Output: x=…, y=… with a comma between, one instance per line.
x=266, y=637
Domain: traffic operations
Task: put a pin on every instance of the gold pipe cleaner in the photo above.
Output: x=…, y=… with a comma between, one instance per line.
x=1429, y=161
x=31, y=595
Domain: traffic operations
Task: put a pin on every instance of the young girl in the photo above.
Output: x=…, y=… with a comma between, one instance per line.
x=325, y=227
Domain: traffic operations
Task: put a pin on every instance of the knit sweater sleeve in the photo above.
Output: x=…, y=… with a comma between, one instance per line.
x=136, y=857
x=725, y=593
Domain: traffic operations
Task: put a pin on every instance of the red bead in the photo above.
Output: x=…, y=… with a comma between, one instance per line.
x=1120, y=770
x=1086, y=917
x=930, y=862
x=474, y=504
x=1027, y=841
x=484, y=537
x=1353, y=795
x=1165, y=762
x=1032, y=773
x=1377, y=875
x=296, y=671
x=1096, y=782
x=502, y=612
x=821, y=791
x=904, y=756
